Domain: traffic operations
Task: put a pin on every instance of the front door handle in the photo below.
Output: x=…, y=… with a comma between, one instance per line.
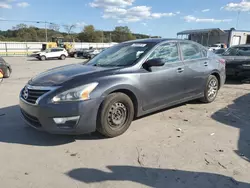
x=206, y=64
x=180, y=70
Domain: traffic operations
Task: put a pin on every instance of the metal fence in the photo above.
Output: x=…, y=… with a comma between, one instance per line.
x=27, y=48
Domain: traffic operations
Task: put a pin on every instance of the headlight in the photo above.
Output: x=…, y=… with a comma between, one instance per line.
x=76, y=94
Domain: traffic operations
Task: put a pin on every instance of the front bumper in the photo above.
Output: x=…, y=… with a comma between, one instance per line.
x=41, y=116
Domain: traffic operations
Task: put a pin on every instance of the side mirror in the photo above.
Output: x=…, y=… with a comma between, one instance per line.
x=158, y=62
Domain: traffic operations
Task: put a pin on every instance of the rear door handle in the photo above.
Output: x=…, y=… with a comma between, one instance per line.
x=180, y=70
x=206, y=64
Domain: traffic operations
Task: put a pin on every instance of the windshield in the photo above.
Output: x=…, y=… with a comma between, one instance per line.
x=125, y=54
x=237, y=51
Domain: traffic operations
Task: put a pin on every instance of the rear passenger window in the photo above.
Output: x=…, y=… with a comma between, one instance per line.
x=168, y=52
x=190, y=51
x=244, y=51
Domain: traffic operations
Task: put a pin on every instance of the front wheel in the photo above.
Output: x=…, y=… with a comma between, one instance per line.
x=115, y=115
x=43, y=58
x=211, y=90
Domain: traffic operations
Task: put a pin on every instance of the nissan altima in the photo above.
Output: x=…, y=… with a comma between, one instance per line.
x=126, y=81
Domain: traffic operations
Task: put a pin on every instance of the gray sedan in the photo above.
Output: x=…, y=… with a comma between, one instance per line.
x=126, y=81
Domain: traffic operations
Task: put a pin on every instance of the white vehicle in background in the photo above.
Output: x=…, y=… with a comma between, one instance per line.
x=217, y=46
x=52, y=53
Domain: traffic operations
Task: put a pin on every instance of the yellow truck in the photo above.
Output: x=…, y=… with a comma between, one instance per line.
x=58, y=42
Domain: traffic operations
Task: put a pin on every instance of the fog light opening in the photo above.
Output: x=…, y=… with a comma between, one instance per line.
x=66, y=122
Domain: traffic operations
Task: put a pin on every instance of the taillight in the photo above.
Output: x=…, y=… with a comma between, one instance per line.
x=222, y=61
x=1, y=75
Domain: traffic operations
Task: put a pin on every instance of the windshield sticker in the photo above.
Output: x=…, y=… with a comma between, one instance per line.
x=139, y=45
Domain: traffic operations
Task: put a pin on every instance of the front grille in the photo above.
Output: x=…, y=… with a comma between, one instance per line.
x=31, y=95
x=31, y=119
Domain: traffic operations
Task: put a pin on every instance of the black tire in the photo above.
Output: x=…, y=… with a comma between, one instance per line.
x=115, y=106
x=62, y=57
x=43, y=58
x=212, y=86
x=7, y=73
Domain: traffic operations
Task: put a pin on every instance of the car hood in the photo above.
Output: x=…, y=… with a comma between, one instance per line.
x=60, y=75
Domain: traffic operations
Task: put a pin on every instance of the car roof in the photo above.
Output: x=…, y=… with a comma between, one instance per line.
x=242, y=45
x=155, y=40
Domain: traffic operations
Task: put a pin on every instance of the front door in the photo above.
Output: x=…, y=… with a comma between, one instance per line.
x=54, y=53
x=163, y=85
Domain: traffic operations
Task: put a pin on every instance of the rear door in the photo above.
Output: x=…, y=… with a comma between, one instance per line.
x=196, y=62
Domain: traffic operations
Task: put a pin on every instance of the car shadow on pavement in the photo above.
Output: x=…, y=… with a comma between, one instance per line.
x=153, y=177
x=14, y=130
x=34, y=59
x=238, y=115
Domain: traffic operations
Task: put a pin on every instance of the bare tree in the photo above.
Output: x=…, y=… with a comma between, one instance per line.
x=69, y=28
x=54, y=27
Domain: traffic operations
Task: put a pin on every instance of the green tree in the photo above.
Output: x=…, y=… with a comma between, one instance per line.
x=19, y=26
x=27, y=34
x=121, y=34
x=98, y=36
x=23, y=32
x=88, y=34
x=2, y=38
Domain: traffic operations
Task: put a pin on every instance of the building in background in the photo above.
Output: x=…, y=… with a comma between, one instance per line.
x=209, y=37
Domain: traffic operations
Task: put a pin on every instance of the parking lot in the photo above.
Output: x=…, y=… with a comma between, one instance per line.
x=191, y=145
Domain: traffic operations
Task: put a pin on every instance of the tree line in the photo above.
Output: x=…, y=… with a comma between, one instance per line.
x=25, y=33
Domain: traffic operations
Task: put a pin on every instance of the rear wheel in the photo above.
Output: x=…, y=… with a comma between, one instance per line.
x=115, y=115
x=43, y=58
x=62, y=57
x=211, y=90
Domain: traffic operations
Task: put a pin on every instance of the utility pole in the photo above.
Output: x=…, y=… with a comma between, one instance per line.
x=238, y=18
x=46, y=32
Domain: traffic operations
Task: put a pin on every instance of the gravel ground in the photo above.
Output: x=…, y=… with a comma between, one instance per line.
x=192, y=145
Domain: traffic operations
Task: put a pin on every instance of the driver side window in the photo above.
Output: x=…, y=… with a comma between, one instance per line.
x=168, y=52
